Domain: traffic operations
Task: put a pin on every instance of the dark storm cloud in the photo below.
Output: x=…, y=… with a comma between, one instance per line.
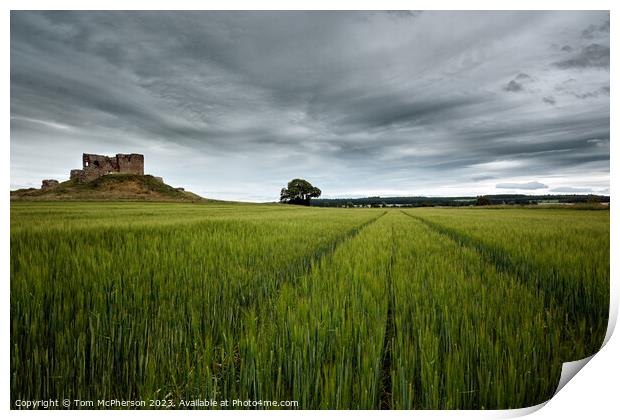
x=362, y=103
x=513, y=86
x=517, y=84
x=594, y=31
x=593, y=94
x=593, y=55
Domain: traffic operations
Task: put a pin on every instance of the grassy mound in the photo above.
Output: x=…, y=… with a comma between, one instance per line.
x=110, y=187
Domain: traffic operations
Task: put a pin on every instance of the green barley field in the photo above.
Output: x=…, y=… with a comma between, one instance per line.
x=332, y=308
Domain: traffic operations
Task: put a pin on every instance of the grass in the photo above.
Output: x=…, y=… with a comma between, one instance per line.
x=111, y=187
x=334, y=308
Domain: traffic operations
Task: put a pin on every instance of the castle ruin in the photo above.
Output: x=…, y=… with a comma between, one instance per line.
x=95, y=166
x=48, y=183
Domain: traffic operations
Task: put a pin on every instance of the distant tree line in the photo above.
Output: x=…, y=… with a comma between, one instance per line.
x=519, y=199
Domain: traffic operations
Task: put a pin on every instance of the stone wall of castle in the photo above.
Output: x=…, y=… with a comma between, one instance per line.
x=48, y=183
x=95, y=166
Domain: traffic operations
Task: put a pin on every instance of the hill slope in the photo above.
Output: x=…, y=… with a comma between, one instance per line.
x=110, y=188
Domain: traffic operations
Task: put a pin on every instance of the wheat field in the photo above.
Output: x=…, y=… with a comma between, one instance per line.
x=333, y=308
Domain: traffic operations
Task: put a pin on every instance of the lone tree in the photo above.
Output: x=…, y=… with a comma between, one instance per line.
x=299, y=191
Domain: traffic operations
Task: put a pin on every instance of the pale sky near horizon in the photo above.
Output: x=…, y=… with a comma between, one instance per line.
x=232, y=105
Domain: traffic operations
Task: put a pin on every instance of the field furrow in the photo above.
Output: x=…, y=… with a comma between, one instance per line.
x=385, y=398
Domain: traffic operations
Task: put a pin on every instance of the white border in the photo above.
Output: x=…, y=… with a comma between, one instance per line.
x=594, y=391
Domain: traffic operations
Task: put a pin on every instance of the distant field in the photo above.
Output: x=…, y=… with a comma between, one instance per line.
x=334, y=308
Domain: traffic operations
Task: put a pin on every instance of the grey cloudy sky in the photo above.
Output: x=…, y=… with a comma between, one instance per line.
x=232, y=105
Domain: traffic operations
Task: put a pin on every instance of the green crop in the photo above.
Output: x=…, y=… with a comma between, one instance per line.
x=333, y=308
x=564, y=254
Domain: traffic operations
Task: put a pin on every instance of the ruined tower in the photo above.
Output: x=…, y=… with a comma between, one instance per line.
x=95, y=166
